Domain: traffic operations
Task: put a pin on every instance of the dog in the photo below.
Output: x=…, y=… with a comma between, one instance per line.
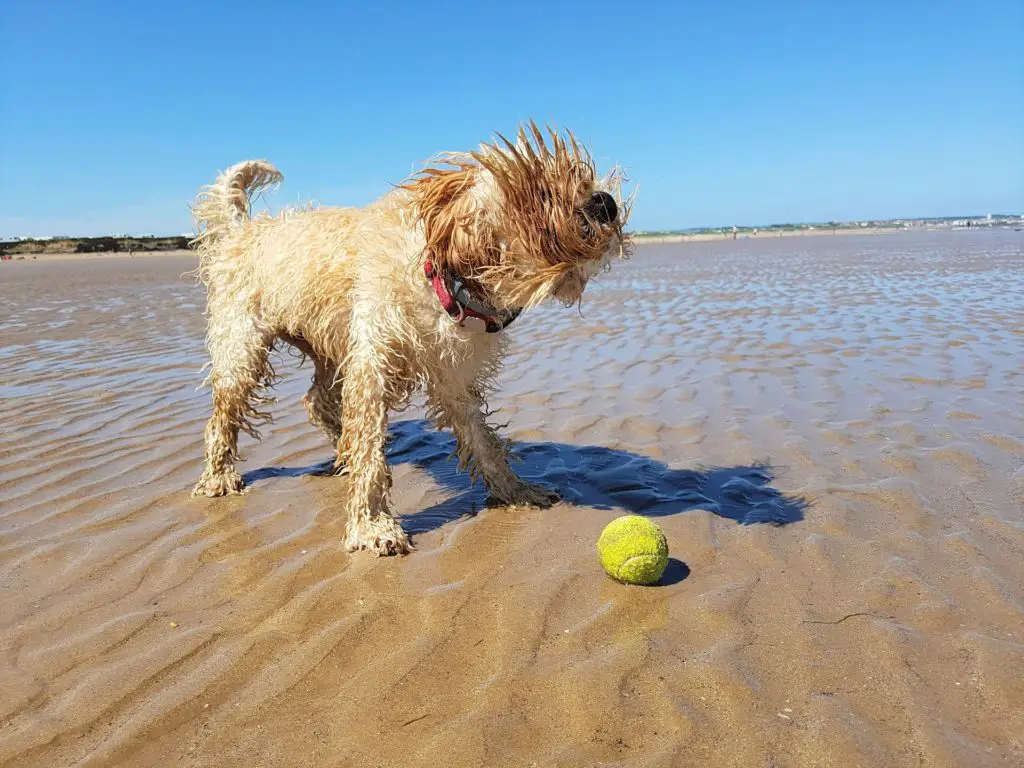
x=407, y=295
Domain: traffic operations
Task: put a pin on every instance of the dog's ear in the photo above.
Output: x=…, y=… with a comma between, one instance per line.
x=458, y=238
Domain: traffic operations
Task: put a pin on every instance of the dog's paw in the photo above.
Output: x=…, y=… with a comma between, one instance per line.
x=381, y=535
x=331, y=469
x=528, y=495
x=221, y=484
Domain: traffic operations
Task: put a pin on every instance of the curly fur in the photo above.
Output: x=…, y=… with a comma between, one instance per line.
x=345, y=287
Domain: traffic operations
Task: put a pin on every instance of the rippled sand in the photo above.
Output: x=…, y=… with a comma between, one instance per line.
x=867, y=391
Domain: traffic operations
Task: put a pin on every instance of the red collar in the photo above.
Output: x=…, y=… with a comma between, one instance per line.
x=460, y=304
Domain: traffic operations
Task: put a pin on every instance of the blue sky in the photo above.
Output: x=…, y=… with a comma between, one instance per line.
x=112, y=114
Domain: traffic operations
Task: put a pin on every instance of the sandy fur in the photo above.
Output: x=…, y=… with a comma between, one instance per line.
x=346, y=287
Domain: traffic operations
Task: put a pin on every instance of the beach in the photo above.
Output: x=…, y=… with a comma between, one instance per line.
x=828, y=429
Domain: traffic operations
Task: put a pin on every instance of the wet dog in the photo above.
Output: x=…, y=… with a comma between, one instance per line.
x=409, y=294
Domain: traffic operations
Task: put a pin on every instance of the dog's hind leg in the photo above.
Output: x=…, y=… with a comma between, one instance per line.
x=323, y=400
x=239, y=351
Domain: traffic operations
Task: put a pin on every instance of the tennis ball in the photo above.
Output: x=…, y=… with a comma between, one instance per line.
x=633, y=550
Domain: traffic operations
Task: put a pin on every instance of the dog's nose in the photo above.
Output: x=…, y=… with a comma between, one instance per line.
x=601, y=208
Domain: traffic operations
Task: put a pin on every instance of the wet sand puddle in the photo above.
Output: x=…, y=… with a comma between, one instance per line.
x=863, y=392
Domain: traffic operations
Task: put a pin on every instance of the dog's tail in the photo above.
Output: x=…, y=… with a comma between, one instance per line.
x=224, y=205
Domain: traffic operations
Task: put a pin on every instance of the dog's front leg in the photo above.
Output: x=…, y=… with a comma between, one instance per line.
x=481, y=451
x=361, y=447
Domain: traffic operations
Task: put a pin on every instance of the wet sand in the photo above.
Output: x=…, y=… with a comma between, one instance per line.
x=865, y=391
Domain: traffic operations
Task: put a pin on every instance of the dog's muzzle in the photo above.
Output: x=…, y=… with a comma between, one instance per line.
x=601, y=208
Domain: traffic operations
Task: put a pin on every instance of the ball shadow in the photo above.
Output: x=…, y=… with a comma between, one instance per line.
x=675, y=572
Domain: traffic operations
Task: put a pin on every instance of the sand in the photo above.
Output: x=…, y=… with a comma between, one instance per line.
x=864, y=391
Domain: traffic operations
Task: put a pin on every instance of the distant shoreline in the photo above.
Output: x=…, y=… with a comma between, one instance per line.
x=85, y=246
x=700, y=237
x=121, y=255
x=639, y=239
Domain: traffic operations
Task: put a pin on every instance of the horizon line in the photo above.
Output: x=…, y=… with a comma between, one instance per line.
x=681, y=230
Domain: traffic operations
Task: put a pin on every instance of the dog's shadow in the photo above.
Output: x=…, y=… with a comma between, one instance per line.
x=593, y=476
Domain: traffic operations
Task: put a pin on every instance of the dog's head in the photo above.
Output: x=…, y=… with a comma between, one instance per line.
x=523, y=221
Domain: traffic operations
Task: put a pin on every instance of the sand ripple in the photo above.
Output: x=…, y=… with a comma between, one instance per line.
x=864, y=393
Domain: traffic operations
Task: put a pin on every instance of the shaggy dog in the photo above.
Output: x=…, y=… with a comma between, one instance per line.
x=409, y=294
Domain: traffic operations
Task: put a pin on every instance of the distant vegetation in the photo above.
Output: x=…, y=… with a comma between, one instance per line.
x=93, y=245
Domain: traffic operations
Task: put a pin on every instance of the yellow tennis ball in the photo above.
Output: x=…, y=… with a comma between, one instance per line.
x=633, y=550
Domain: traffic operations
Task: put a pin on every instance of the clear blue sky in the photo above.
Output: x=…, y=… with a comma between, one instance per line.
x=113, y=113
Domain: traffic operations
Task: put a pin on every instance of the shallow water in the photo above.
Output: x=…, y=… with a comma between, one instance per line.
x=864, y=391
